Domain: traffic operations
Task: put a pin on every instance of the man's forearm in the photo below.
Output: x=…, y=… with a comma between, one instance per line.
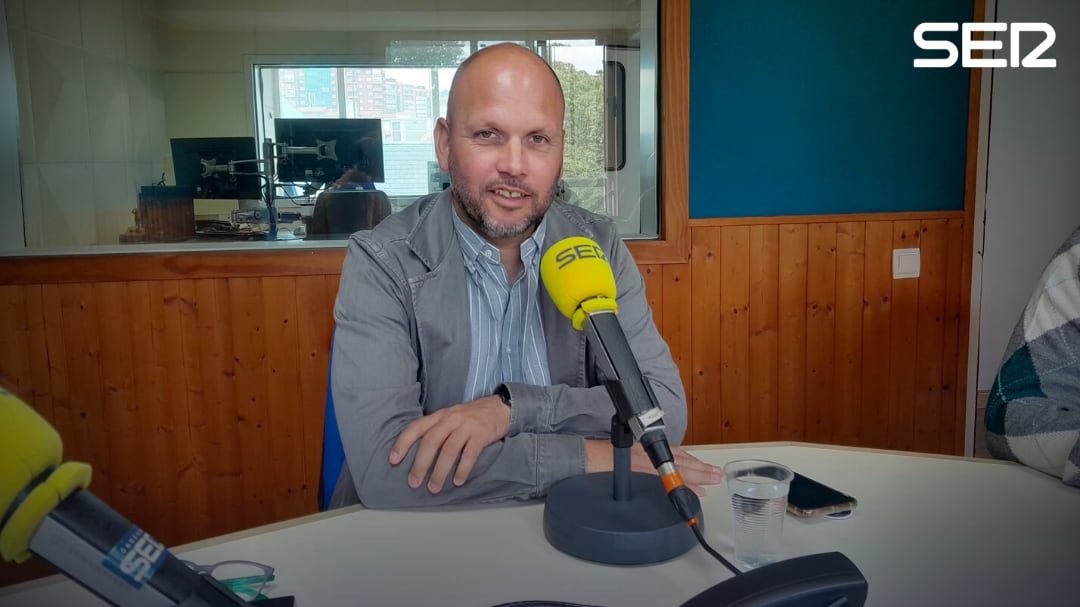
x=559, y=409
x=582, y=411
x=518, y=467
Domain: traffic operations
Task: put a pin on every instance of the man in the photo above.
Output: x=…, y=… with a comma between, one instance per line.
x=455, y=379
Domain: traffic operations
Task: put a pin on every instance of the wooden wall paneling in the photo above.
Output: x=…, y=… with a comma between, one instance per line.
x=764, y=287
x=776, y=220
x=930, y=335
x=193, y=482
x=792, y=336
x=253, y=432
x=850, y=271
x=654, y=291
x=903, y=340
x=953, y=405
x=40, y=380
x=189, y=264
x=58, y=369
x=678, y=331
x=820, y=331
x=14, y=343
x=734, y=350
x=172, y=423
x=148, y=400
x=315, y=326
x=118, y=389
x=877, y=334
x=12, y=306
x=88, y=430
x=218, y=368
x=707, y=316
x=291, y=493
x=25, y=372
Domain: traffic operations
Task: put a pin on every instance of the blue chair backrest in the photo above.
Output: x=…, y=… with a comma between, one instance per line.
x=333, y=452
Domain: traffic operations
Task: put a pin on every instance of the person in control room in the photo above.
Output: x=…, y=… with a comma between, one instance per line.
x=364, y=211
x=455, y=379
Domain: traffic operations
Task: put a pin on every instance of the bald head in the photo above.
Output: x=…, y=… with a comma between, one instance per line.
x=502, y=142
x=505, y=58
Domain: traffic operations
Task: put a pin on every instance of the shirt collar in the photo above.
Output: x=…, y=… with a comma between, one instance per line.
x=476, y=249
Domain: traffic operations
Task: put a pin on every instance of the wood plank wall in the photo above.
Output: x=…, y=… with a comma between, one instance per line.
x=199, y=400
x=794, y=329
x=199, y=403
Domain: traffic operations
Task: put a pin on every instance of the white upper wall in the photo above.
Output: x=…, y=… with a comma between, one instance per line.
x=1033, y=172
x=91, y=117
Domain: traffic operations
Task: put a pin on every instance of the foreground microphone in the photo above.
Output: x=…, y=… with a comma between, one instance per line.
x=44, y=510
x=580, y=282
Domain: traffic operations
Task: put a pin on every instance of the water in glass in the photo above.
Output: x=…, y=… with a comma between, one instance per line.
x=758, y=503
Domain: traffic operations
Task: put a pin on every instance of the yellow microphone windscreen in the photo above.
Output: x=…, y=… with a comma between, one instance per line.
x=575, y=270
x=28, y=447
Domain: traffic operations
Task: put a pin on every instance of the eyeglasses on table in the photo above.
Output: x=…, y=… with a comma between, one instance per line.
x=246, y=579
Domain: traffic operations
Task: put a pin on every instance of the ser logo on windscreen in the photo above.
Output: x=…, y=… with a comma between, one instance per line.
x=582, y=251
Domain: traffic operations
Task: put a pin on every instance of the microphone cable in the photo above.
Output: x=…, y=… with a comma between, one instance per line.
x=683, y=499
x=696, y=528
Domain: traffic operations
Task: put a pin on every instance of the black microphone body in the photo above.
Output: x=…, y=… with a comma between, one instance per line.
x=636, y=404
x=116, y=560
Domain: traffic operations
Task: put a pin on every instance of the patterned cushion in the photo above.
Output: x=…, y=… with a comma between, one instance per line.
x=1033, y=415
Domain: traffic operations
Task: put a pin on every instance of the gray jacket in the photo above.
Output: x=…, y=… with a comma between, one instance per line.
x=401, y=351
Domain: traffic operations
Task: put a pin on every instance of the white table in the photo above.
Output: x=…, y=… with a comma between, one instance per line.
x=929, y=530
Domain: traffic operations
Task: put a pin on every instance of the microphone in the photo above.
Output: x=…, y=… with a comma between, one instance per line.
x=580, y=281
x=45, y=510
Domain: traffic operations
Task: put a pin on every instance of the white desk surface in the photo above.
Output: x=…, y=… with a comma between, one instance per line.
x=929, y=530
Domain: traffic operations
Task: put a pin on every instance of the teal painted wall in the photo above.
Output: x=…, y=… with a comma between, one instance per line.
x=802, y=107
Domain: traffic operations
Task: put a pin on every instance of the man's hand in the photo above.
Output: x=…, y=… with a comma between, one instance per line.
x=600, y=457
x=459, y=431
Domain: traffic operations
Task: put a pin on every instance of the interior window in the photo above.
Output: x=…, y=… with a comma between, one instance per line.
x=160, y=124
x=408, y=93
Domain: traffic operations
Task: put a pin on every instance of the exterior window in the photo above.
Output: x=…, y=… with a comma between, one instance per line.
x=100, y=159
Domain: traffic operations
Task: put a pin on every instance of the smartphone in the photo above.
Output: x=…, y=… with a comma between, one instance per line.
x=808, y=498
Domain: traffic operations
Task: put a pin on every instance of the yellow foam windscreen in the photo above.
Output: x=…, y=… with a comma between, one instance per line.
x=577, y=275
x=29, y=447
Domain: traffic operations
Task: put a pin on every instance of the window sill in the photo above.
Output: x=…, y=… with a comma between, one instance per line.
x=177, y=247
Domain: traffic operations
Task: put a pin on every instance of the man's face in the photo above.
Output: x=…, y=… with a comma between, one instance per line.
x=504, y=147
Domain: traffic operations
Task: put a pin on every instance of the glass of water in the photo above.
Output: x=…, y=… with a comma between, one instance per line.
x=759, y=491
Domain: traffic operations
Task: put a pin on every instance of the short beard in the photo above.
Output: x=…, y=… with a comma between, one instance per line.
x=470, y=204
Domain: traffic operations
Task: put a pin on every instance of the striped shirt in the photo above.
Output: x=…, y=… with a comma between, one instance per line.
x=508, y=343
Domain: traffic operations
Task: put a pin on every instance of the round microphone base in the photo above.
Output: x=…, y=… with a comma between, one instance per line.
x=582, y=519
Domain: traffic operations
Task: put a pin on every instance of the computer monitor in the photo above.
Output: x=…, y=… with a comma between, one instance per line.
x=203, y=163
x=331, y=147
